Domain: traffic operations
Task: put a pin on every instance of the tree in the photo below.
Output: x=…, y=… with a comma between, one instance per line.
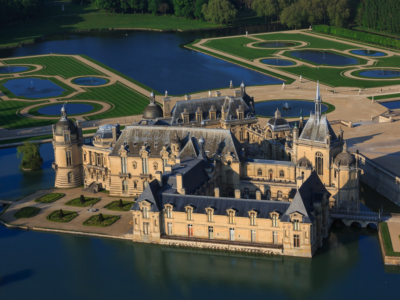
x=183, y=8
x=338, y=12
x=164, y=8
x=61, y=214
x=293, y=15
x=266, y=8
x=219, y=11
x=153, y=6
x=199, y=6
x=101, y=218
x=82, y=199
x=120, y=204
x=30, y=154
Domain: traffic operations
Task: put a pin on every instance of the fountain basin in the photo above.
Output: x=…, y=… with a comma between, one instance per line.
x=368, y=52
x=33, y=88
x=324, y=57
x=277, y=62
x=379, y=73
x=12, y=69
x=288, y=108
x=72, y=109
x=90, y=81
x=278, y=44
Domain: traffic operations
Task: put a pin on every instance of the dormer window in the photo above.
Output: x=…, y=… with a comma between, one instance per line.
x=199, y=115
x=189, y=211
x=185, y=116
x=240, y=115
x=67, y=137
x=296, y=224
x=145, y=211
x=253, y=216
x=213, y=113
x=231, y=216
x=210, y=213
x=168, y=210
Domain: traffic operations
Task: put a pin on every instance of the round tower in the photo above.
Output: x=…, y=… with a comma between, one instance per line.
x=67, y=142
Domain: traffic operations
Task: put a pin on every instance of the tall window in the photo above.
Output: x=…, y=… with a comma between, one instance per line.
x=259, y=172
x=253, y=235
x=241, y=135
x=66, y=137
x=281, y=173
x=252, y=218
x=169, y=228
x=279, y=194
x=240, y=115
x=99, y=160
x=70, y=176
x=231, y=217
x=164, y=163
x=246, y=193
x=296, y=240
x=145, y=212
x=209, y=215
x=123, y=165
x=271, y=174
x=69, y=158
x=124, y=186
x=185, y=119
x=232, y=234
x=275, y=237
x=146, y=230
x=190, y=230
x=319, y=163
x=210, y=232
x=274, y=220
x=296, y=225
x=84, y=156
x=189, y=214
x=169, y=212
x=145, y=166
x=198, y=117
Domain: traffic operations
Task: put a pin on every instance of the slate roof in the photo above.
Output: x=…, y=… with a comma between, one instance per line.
x=149, y=194
x=105, y=131
x=317, y=131
x=154, y=138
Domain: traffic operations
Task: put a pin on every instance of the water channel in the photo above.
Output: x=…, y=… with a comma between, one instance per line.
x=38, y=265
x=380, y=73
x=277, y=62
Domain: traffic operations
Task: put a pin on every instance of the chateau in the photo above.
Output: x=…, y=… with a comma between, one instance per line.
x=207, y=175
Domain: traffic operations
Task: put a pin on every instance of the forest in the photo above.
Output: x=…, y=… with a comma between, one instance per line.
x=374, y=15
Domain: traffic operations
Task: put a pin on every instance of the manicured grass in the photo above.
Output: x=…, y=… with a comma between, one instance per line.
x=393, y=62
x=126, y=205
x=77, y=202
x=332, y=77
x=7, y=92
x=64, y=66
x=126, y=102
x=96, y=107
x=387, y=242
x=385, y=97
x=50, y=198
x=235, y=46
x=68, y=216
x=26, y=212
x=94, y=221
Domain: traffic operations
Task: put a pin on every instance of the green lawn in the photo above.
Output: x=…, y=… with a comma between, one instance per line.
x=26, y=212
x=50, y=198
x=64, y=66
x=126, y=101
x=393, y=61
x=88, y=202
x=68, y=216
x=385, y=97
x=387, y=242
x=94, y=221
x=96, y=107
x=126, y=205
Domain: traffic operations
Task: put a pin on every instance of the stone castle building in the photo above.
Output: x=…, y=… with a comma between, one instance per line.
x=207, y=174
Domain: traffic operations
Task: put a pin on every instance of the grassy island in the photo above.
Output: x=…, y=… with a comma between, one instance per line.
x=101, y=220
x=62, y=216
x=79, y=202
x=49, y=198
x=387, y=242
x=119, y=205
x=26, y=212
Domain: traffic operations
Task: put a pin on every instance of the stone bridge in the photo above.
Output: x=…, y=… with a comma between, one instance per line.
x=363, y=218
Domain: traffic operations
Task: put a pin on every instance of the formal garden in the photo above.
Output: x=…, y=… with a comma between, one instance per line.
x=101, y=220
x=83, y=201
x=26, y=212
x=62, y=216
x=119, y=205
x=49, y=198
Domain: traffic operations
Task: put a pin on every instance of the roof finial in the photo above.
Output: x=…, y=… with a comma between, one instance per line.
x=64, y=111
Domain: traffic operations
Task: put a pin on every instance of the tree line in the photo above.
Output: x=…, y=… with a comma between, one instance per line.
x=19, y=10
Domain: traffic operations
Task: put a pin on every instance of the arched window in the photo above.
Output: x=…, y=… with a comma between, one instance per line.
x=281, y=174
x=319, y=163
x=279, y=194
x=270, y=174
x=268, y=195
x=302, y=175
x=135, y=184
x=259, y=172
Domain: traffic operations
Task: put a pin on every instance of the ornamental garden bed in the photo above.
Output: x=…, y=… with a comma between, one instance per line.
x=62, y=216
x=119, y=205
x=79, y=203
x=26, y=212
x=101, y=220
x=49, y=198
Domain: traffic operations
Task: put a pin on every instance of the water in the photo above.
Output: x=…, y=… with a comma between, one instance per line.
x=155, y=59
x=276, y=44
x=268, y=108
x=368, y=52
x=391, y=105
x=33, y=87
x=12, y=69
x=277, y=62
x=91, y=81
x=16, y=183
x=379, y=73
x=324, y=57
x=72, y=109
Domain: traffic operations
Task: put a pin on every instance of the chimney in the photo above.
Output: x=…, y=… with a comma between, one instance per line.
x=258, y=195
x=114, y=134
x=159, y=177
x=237, y=193
x=236, y=93
x=217, y=94
x=179, y=184
x=187, y=97
x=216, y=192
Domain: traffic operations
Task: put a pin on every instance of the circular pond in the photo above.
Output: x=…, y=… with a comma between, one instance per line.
x=92, y=81
x=380, y=73
x=366, y=52
x=277, y=62
x=72, y=109
x=324, y=57
x=276, y=44
x=12, y=69
x=33, y=88
x=288, y=108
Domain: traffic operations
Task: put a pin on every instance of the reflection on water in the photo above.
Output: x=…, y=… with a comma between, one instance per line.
x=13, y=69
x=391, y=104
x=368, y=52
x=324, y=57
x=277, y=62
x=90, y=81
x=33, y=87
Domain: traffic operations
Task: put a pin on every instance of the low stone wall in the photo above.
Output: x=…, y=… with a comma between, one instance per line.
x=378, y=178
x=388, y=260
